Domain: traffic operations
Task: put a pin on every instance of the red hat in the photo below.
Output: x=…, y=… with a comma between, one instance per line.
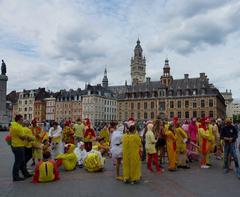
x=175, y=121
x=88, y=123
x=130, y=122
x=67, y=123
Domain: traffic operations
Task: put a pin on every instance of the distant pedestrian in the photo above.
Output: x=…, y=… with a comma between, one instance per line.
x=229, y=134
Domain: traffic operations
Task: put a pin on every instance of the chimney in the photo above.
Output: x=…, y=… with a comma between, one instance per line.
x=186, y=76
x=202, y=75
x=148, y=79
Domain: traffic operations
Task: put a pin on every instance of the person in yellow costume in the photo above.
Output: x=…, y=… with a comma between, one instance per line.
x=28, y=144
x=151, y=148
x=182, y=138
x=104, y=133
x=93, y=161
x=68, y=159
x=204, y=138
x=18, y=138
x=131, y=143
x=46, y=170
x=171, y=139
x=40, y=135
x=78, y=128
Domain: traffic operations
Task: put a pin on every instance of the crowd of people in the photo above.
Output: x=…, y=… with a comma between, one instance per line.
x=77, y=144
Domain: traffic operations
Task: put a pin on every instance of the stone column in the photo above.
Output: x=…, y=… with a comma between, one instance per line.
x=3, y=92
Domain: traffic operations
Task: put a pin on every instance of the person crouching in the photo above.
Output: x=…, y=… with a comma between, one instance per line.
x=46, y=170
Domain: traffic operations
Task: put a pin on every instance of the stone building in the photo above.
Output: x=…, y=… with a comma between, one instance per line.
x=40, y=105
x=50, y=107
x=99, y=104
x=68, y=105
x=168, y=97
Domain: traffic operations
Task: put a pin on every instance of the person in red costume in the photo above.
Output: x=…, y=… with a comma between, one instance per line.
x=46, y=170
x=204, y=141
x=89, y=135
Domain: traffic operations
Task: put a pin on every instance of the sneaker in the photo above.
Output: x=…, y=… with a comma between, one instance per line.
x=205, y=166
x=119, y=178
x=18, y=179
x=27, y=176
x=208, y=164
x=185, y=167
x=238, y=172
x=225, y=171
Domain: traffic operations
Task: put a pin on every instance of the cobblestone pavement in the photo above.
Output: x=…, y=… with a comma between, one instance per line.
x=79, y=183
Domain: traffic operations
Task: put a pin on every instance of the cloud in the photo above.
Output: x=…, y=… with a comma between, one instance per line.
x=64, y=44
x=210, y=28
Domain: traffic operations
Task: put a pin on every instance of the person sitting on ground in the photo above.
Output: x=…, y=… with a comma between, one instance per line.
x=94, y=162
x=103, y=146
x=68, y=159
x=46, y=170
x=80, y=152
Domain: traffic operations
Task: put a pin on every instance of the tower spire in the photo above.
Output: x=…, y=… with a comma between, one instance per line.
x=138, y=65
x=105, y=78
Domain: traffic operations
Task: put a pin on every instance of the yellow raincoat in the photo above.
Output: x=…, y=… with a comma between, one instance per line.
x=131, y=158
x=171, y=149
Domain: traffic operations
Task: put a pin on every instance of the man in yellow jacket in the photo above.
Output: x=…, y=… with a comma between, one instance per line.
x=18, y=148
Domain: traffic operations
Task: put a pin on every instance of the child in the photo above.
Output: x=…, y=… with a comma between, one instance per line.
x=46, y=170
x=80, y=153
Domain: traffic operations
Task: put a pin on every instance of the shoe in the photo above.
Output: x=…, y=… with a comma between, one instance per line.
x=238, y=173
x=225, y=171
x=205, y=166
x=179, y=166
x=172, y=170
x=208, y=164
x=119, y=178
x=27, y=176
x=185, y=167
x=18, y=179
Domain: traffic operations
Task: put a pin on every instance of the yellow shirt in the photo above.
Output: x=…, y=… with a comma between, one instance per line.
x=78, y=130
x=17, y=132
x=28, y=132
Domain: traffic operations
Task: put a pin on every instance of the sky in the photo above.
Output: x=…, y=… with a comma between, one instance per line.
x=64, y=44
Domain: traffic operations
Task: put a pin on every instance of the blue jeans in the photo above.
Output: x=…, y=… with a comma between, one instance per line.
x=230, y=149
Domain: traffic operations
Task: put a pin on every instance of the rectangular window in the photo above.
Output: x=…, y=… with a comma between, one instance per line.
x=152, y=115
x=171, y=114
x=194, y=114
x=139, y=115
x=171, y=104
x=179, y=104
x=145, y=105
x=139, y=105
x=152, y=105
x=179, y=114
x=186, y=114
x=194, y=104
x=145, y=115
x=186, y=104
x=162, y=106
x=211, y=114
x=132, y=106
x=202, y=114
x=202, y=103
x=210, y=102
